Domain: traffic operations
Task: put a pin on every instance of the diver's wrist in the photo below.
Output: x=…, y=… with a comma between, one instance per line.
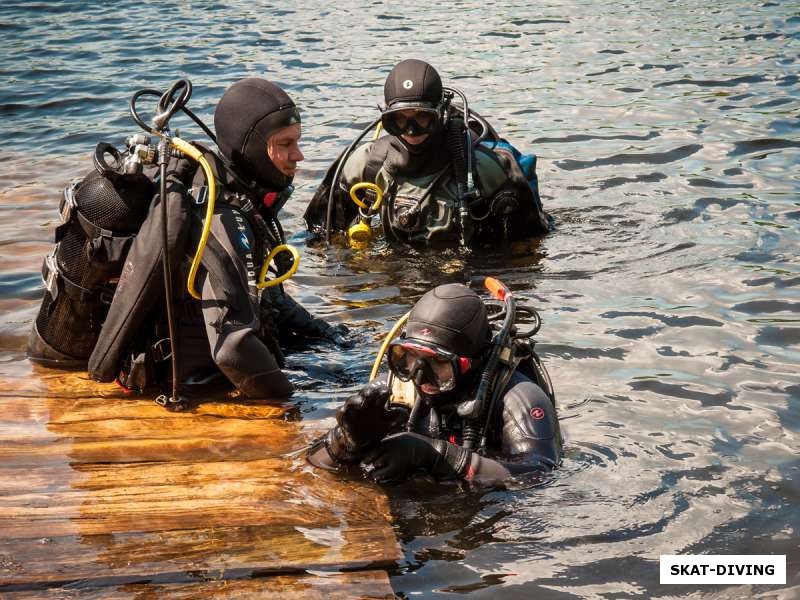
x=452, y=460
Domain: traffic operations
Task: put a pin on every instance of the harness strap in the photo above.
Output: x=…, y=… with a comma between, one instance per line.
x=55, y=281
x=375, y=161
x=93, y=231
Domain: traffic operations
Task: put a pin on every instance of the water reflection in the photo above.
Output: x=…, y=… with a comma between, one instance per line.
x=668, y=152
x=109, y=489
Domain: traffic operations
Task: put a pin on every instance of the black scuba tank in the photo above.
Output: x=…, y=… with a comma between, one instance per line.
x=101, y=214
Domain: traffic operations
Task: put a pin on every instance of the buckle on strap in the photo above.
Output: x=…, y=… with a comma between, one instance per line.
x=200, y=194
x=162, y=350
x=69, y=204
x=93, y=231
x=50, y=274
x=55, y=281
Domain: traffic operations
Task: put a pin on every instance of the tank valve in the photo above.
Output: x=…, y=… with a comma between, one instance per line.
x=140, y=153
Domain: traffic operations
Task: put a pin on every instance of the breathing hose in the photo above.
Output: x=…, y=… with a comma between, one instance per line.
x=263, y=282
x=377, y=364
x=475, y=408
x=459, y=154
x=338, y=173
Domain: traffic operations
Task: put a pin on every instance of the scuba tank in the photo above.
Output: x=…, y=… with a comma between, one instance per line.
x=101, y=214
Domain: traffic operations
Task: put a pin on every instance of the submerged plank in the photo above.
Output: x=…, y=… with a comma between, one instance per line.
x=100, y=488
x=216, y=553
x=366, y=585
x=230, y=497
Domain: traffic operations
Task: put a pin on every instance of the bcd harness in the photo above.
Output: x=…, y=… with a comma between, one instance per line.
x=131, y=310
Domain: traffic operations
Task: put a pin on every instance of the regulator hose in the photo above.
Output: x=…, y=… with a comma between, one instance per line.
x=456, y=142
x=337, y=175
x=168, y=104
x=392, y=333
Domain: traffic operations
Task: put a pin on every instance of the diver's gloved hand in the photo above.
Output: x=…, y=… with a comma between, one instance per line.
x=340, y=335
x=363, y=420
x=292, y=319
x=401, y=456
x=284, y=261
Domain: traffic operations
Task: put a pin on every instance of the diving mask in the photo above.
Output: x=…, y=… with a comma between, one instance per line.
x=432, y=369
x=410, y=121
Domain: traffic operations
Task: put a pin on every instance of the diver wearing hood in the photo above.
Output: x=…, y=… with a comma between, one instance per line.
x=435, y=188
x=234, y=328
x=443, y=352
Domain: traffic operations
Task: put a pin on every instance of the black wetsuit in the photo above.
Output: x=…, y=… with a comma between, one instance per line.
x=523, y=435
x=421, y=192
x=234, y=328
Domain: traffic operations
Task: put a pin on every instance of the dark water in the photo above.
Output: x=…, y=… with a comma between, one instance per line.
x=669, y=145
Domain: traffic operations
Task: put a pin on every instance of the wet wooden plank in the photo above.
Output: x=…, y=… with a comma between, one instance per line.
x=175, y=556
x=40, y=382
x=365, y=585
x=77, y=397
x=105, y=489
x=153, y=497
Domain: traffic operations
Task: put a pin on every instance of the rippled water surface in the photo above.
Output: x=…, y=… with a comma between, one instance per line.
x=669, y=146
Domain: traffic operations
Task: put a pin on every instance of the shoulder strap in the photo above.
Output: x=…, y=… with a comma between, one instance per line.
x=376, y=158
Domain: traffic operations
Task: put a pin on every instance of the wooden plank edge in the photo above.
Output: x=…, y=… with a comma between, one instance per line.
x=184, y=577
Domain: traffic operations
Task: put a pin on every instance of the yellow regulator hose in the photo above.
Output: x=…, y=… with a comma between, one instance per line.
x=263, y=282
x=377, y=364
x=367, y=185
x=197, y=155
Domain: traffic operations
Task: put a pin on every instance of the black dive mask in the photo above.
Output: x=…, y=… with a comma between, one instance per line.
x=436, y=369
x=422, y=121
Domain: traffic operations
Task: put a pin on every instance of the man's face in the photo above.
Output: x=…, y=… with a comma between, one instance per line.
x=283, y=149
x=422, y=118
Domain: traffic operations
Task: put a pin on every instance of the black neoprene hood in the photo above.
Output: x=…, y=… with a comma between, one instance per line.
x=412, y=83
x=451, y=317
x=249, y=112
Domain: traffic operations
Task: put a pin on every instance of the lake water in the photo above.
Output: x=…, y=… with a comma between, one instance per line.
x=668, y=137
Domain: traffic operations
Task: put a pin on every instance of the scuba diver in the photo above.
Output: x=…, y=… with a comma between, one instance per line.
x=482, y=406
x=223, y=316
x=441, y=176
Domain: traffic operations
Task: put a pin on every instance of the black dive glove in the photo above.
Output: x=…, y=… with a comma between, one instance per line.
x=292, y=319
x=403, y=455
x=339, y=334
x=363, y=420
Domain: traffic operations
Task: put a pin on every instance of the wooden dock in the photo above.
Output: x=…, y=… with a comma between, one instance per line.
x=104, y=496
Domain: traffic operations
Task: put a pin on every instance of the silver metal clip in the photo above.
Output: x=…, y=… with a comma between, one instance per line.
x=200, y=196
x=51, y=279
x=69, y=203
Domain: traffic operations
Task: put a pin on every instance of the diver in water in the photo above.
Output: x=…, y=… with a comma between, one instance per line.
x=441, y=176
x=453, y=430
x=224, y=324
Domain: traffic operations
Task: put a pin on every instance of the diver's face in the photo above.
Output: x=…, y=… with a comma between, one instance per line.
x=283, y=149
x=423, y=118
x=433, y=371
